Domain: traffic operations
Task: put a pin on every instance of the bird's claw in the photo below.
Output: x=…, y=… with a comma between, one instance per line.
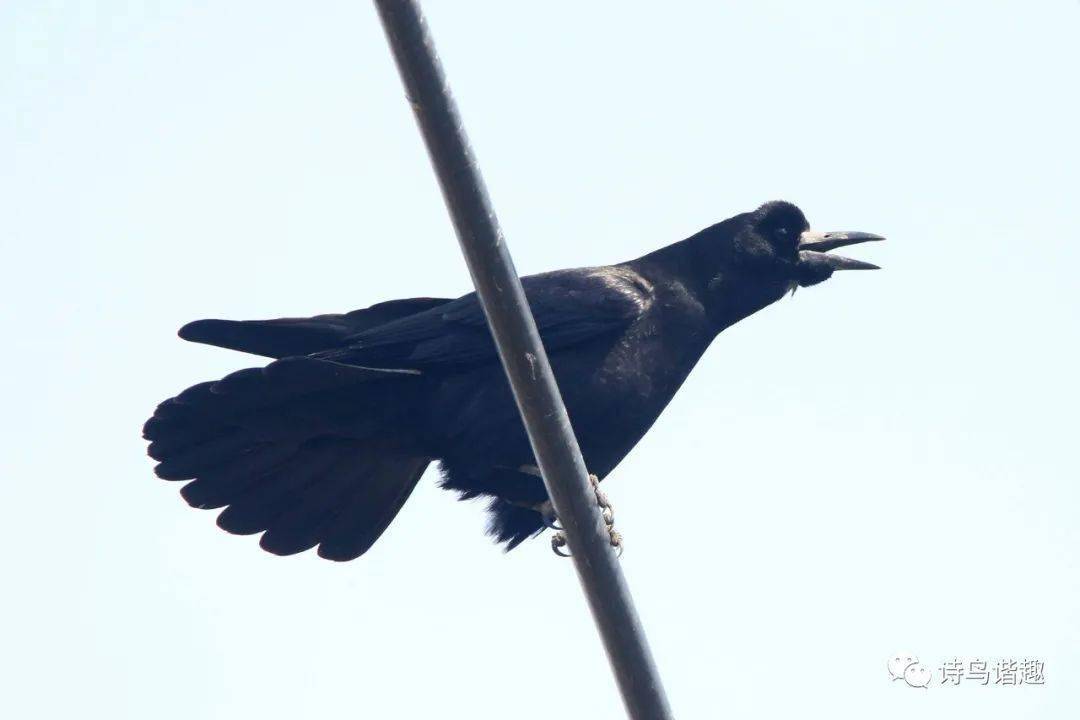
x=616, y=541
x=552, y=523
x=547, y=515
x=607, y=512
x=558, y=545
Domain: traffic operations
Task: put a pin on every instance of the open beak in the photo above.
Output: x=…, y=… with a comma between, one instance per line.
x=814, y=248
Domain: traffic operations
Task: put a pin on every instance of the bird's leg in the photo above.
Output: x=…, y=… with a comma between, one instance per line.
x=607, y=512
x=546, y=509
x=547, y=513
x=606, y=509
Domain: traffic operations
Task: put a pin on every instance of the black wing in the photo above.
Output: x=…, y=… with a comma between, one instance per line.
x=570, y=306
x=285, y=337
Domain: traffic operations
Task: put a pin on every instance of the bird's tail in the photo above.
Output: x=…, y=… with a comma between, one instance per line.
x=307, y=452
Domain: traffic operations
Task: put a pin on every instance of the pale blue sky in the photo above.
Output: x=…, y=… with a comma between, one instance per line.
x=886, y=462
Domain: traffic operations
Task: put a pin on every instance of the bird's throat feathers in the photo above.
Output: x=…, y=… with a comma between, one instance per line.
x=712, y=266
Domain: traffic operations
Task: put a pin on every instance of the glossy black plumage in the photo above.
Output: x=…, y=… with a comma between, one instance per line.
x=323, y=446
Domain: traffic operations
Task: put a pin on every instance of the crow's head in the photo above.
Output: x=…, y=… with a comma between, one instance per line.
x=758, y=256
x=776, y=243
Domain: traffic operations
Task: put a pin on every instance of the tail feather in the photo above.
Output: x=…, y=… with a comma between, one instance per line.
x=254, y=508
x=219, y=486
x=253, y=389
x=299, y=527
x=373, y=509
x=187, y=463
x=295, y=449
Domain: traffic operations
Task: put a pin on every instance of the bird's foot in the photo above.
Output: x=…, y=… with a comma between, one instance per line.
x=548, y=516
x=606, y=509
x=607, y=512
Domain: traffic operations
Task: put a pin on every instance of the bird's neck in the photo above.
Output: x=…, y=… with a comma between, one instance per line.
x=691, y=262
x=702, y=265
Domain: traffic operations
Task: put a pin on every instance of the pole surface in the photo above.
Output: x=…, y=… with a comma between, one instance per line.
x=523, y=357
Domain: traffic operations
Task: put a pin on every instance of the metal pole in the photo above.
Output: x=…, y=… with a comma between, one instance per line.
x=524, y=360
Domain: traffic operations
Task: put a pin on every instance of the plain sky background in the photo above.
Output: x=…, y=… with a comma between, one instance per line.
x=886, y=462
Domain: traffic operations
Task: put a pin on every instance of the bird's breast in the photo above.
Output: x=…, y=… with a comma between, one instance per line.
x=631, y=381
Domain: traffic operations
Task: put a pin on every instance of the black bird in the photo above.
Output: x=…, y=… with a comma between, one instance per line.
x=324, y=445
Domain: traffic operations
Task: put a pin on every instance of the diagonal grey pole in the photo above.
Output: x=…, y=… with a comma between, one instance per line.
x=524, y=360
